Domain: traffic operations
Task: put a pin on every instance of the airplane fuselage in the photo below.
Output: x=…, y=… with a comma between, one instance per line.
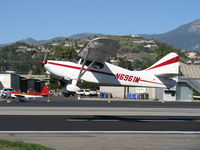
x=105, y=74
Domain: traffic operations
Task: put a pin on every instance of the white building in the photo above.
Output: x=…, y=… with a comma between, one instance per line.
x=9, y=80
x=69, y=44
x=20, y=83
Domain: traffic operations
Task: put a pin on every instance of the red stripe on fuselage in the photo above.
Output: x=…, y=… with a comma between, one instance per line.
x=74, y=67
x=168, y=62
x=106, y=73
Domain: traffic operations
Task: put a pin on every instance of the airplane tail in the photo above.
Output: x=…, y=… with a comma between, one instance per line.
x=45, y=91
x=167, y=67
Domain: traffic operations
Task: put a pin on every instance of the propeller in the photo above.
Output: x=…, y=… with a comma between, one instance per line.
x=43, y=62
x=44, y=59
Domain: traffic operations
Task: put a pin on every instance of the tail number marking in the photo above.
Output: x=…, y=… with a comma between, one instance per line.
x=127, y=77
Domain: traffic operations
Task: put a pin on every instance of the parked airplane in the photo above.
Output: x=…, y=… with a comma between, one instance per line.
x=21, y=95
x=90, y=66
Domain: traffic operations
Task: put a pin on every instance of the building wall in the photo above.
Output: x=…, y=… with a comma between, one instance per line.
x=5, y=80
x=122, y=92
x=180, y=92
x=159, y=93
x=169, y=95
x=15, y=82
x=30, y=84
x=10, y=80
x=23, y=85
x=184, y=91
x=150, y=91
x=116, y=91
x=166, y=94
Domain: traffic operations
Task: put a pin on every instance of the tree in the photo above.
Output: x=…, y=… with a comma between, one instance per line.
x=125, y=64
x=163, y=50
x=63, y=53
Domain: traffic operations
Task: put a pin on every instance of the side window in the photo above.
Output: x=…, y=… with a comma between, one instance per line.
x=97, y=65
x=88, y=62
x=75, y=59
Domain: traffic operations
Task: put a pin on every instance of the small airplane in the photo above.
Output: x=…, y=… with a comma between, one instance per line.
x=90, y=65
x=21, y=95
x=197, y=97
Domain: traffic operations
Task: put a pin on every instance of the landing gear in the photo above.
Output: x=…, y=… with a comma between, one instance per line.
x=67, y=93
x=62, y=82
x=72, y=87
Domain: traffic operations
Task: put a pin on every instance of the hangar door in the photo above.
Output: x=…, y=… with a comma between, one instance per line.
x=184, y=91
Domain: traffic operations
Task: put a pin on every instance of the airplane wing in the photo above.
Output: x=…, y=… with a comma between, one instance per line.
x=27, y=96
x=99, y=49
x=32, y=96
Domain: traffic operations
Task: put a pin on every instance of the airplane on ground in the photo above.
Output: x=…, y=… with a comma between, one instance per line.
x=197, y=97
x=21, y=95
x=90, y=65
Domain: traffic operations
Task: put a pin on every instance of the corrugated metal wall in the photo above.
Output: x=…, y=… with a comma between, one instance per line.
x=184, y=91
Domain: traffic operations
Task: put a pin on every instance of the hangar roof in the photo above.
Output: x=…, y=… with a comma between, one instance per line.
x=190, y=71
x=190, y=75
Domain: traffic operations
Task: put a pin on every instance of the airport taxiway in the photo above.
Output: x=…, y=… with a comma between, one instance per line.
x=98, y=115
x=60, y=101
x=93, y=123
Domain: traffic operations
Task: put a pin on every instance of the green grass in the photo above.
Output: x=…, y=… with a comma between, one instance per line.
x=18, y=145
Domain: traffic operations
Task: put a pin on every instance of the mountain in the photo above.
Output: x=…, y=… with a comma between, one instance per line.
x=186, y=36
x=2, y=45
x=56, y=39
x=74, y=36
x=85, y=35
x=32, y=41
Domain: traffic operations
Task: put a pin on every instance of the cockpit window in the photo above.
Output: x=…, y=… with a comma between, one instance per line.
x=75, y=59
x=88, y=62
x=97, y=65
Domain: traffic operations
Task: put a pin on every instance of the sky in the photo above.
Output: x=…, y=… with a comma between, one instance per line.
x=45, y=19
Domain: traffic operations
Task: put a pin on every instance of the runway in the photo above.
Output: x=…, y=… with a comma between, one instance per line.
x=69, y=123
x=88, y=115
x=98, y=123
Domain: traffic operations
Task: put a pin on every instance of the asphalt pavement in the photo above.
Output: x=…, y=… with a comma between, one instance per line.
x=98, y=123
x=69, y=123
x=60, y=101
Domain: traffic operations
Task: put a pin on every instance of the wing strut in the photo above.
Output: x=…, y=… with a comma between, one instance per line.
x=83, y=72
x=72, y=87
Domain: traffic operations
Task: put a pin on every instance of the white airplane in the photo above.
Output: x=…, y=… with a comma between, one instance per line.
x=91, y=66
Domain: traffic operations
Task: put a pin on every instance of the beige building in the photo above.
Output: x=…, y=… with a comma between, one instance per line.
x=122, y=92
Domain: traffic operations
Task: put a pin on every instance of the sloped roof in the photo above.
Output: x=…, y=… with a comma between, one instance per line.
x=190, y=71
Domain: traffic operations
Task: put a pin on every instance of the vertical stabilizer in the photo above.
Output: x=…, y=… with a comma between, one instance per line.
x=45, y=91
x=168, y=66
